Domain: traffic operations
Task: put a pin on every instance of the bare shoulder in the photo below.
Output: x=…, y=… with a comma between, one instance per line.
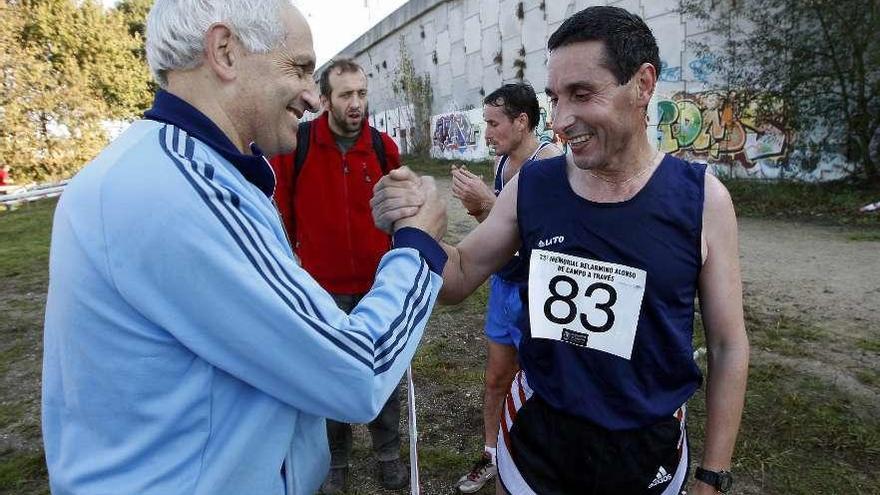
x=719, y=238
x=549, y=152
x=716, y=200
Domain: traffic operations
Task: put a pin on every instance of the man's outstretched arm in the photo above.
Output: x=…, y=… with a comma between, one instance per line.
x=480, y=253
x=720, y=288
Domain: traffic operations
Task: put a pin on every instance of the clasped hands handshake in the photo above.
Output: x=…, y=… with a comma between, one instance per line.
x=403, y=199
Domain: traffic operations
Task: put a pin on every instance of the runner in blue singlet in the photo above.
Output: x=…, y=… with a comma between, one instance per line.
x=511, y=113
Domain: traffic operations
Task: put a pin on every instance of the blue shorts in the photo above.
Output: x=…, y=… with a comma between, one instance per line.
x=503, y=312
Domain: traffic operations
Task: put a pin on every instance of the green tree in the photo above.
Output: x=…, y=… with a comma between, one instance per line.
x=83, y=37
x=134, y=14
x=49, y=121
x=418, y=97
x=65, y=68
x=819, y=58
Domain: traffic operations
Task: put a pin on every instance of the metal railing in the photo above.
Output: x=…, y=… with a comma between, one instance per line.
x=33, y=193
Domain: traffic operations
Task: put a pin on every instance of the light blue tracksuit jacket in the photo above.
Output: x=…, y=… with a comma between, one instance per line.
x=186, y=352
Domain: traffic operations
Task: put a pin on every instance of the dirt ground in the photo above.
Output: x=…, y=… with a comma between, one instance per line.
x=825, y=276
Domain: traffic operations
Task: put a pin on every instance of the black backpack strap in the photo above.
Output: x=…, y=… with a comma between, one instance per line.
x=303, y=135
x=379, y=148
x=303, y=139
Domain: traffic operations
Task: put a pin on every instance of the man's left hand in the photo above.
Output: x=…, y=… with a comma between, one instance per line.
x=470, y=189
x=398, y=195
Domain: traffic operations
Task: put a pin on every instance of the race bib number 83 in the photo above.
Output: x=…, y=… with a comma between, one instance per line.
x=585, y=302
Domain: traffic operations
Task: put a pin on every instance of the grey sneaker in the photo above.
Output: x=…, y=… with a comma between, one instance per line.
x=336, y=482
x=393, y=475
x=481, y=473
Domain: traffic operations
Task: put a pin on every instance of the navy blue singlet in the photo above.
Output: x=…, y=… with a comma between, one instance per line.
x=514, y=270
x=657, y=231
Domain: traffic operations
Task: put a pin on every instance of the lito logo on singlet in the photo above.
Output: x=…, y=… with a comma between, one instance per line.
x=585, y=302
x=559, y=239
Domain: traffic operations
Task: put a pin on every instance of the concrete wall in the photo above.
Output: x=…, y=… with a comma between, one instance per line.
x=470, y=47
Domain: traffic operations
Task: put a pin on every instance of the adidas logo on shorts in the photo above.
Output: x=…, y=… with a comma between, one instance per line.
x=661, y=477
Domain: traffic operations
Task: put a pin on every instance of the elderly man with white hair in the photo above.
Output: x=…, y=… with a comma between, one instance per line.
x=186, y=352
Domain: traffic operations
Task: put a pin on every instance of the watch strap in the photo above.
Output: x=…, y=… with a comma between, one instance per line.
x=720, y=480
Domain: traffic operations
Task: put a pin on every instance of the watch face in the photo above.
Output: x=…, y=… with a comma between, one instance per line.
x=725, y=481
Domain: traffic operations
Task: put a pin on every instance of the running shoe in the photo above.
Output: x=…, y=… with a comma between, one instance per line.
x=481, y=473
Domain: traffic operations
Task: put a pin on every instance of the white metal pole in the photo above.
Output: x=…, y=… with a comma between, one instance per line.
x=415, y=489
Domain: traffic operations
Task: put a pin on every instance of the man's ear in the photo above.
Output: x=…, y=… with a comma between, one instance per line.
x=325, y=103
x=221, y=51
x=522, y=122
x=646, y=83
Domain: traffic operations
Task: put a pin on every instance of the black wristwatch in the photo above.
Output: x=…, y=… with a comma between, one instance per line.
x=720, y=480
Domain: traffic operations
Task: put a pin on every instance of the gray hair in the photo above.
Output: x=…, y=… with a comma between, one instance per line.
x=176, y=30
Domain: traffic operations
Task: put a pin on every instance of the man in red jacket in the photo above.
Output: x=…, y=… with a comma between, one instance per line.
x=323, y=195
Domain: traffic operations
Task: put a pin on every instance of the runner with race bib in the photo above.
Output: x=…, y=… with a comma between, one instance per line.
x=619, y=239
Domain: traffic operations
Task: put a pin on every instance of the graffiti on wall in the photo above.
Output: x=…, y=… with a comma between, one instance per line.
x=454, y=131
x=708, y=126
x=669, y=73
x=459, y=135
x=703, y=67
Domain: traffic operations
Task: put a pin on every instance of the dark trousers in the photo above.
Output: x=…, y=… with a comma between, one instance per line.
x=384, y=430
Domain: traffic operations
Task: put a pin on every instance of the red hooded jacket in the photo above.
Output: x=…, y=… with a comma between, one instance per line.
x=327, y=210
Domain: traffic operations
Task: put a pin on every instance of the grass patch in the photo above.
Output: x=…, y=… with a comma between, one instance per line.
x=781, y=334
x=11, y=353
x=436, y=360
x=799, y=436
x=436, y=167
x=865, y=236
x=475, y=304
x=869, y=344
x=24, y=240
x=868, y=377
x=440, y=460
x=23, y=473
x=777, y=333
x=833, y=202
x=11, y=413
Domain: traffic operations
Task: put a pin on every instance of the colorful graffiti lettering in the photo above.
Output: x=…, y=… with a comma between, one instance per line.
x=458, y=135
x=707, y=124
x=454, y=131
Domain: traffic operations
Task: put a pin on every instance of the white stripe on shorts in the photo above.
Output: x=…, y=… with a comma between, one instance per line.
x=508, y=474
x=676, y=486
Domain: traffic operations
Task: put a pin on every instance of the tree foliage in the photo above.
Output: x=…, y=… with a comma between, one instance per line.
x=418, y=97
x=819, y=58
x=134, y=14
x=66, y=68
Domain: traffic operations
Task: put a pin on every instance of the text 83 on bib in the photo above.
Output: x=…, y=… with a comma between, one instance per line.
x=585, y=302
